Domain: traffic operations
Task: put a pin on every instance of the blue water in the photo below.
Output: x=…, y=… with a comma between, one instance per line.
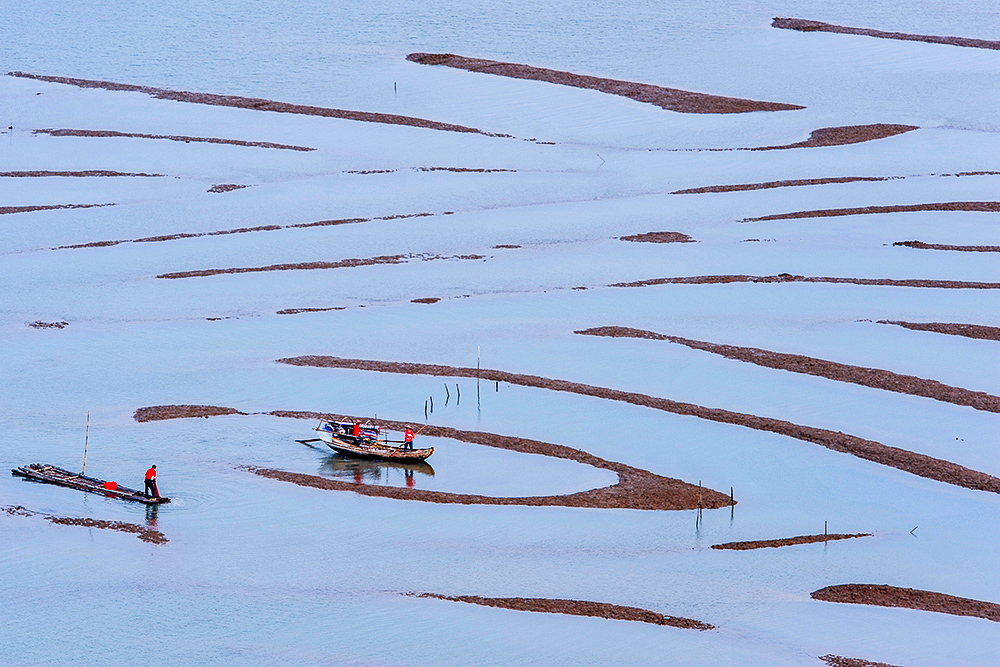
x=258, y=571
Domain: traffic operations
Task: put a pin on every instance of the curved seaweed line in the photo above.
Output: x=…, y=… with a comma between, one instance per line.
x=145, y=534
x=883, y=595
x=978, y=331
x=672, y=99
x=840, y=661
x=830, y=180
x=968, y=206
x=806, y=25
x=255, y=103
x=789, y=278
x=788, y=541
x=901, y=459
x=106, y=134
x=636, y=488
x=875, y=378
x=920, y=245
x=245, y=230
x=604, y=610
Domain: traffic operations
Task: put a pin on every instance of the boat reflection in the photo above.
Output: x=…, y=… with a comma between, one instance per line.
x=369, y=471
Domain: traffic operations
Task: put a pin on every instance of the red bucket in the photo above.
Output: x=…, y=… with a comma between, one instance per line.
x=111, y=486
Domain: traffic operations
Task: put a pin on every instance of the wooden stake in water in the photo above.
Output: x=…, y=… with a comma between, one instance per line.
x=86, y=440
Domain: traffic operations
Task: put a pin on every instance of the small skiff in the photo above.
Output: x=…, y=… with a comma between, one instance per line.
x=42, y=472
x=339, y=437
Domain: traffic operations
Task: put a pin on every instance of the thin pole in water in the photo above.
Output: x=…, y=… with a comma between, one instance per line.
x=86, y=441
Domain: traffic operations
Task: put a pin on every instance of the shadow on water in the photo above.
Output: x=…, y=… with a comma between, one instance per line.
x=366, y=471
x=151, y=515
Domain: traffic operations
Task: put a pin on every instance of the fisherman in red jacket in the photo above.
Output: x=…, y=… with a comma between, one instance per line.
x=408, y=438
x=151, y=483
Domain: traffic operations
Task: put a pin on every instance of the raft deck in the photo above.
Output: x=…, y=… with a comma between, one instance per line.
x=49, y=474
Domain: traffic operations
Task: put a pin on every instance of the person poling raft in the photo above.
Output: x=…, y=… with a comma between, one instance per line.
x=352, y=438
x=49, y=474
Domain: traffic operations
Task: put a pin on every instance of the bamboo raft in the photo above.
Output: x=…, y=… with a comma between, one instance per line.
x=48, y=474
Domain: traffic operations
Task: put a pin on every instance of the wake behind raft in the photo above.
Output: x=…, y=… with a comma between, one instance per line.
x=49, y=474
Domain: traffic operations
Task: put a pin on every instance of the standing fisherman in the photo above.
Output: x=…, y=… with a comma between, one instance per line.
x=151, y=483
x=408, y=438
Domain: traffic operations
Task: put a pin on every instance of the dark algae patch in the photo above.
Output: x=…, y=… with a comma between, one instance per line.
x=575, y=608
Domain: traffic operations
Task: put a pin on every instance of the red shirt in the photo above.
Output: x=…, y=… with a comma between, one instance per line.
x=151, y=474
x=409, y=435
x=357, y=429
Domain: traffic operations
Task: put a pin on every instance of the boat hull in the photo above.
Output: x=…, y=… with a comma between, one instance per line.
x=367, y=450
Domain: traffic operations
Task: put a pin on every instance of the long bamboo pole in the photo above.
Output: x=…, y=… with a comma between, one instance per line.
x=86, y=440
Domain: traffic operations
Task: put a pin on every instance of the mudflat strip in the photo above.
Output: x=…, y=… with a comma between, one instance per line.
x=805, y=25
x=52, y=207
x=160, y=412
x=911, y=462
x=659, y=237
x=242, y=230
x=636, y=488
x=671, y=99
x=788, y=541
x=832, y=370
x=840, y=661
x=575, y=608
x=890, y=596
x=842, y=136
x=743, y=187
x=920, y=245
x=75, y=174
x=311, y=266
x=971, y=206
x=967, y=330
x=144, y=534
x=789, y=278
x=254, y=103
x=170, y=137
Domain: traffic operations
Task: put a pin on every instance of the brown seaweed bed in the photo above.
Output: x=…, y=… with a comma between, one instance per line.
x=659, y=237
x=796, y=363
x=144, y=534
x=170, y=137
x=244, y=230
x=575, y=608
x=920, y=245
x=788, y=541
x=636, y=488
x=52, y=207
x=971, y=206
x=76, y=174
x=310, y=266
x=226, y=187
x=789, y=278
x=842, y=136
x=743, y=187
x=805, y=25
x=901, y=459
x=968, y=330
x=38, y=324
x=254, y=103
x=667, y=98
x=891, y=596
x=840, y=661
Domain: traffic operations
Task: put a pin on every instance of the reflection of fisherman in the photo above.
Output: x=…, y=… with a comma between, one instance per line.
x=408, y=438
x=151, y=483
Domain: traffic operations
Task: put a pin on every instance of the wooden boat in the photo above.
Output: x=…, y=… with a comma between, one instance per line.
x=49, y=474
x=338, y=436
